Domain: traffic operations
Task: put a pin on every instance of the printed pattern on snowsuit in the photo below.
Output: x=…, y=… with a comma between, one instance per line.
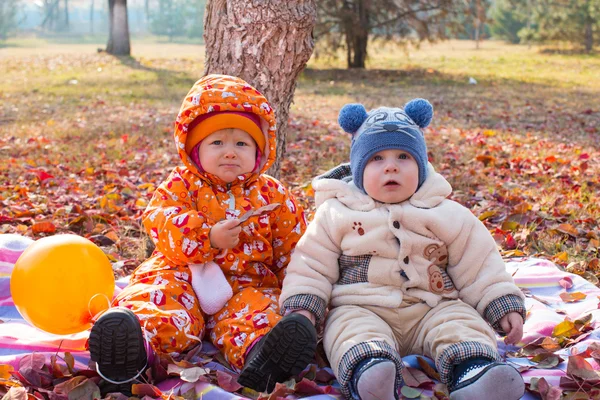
x=178, y=219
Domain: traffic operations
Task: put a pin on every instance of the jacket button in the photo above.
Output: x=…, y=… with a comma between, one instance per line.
x=396, y=224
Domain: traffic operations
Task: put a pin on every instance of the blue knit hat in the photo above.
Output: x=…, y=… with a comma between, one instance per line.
x=386, y=128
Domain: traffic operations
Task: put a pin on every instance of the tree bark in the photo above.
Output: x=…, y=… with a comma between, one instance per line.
x=589, y=29
x=356, y=30
x=265, y=42
x=118, y=38
x=92, y=17
x=67, y=15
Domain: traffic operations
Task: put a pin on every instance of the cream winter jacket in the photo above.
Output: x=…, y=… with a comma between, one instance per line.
x=358, y=251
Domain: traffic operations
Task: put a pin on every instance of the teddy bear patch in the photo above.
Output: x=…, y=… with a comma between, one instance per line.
x=439, y=280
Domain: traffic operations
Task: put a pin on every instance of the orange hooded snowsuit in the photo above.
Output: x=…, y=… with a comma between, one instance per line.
x=179, y=218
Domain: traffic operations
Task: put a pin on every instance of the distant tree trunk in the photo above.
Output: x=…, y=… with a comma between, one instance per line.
x=92, y=17
x=118, y=38
x=51, y=8
x=355, y=17
x=589, y=36
x=589, y=29
x=267, y=43
x=66, y=15
x=477, y=21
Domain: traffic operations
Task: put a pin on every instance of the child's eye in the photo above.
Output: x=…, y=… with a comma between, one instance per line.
x=377, y=158
x=217, y=142
x=403, y=156
x=242, y=144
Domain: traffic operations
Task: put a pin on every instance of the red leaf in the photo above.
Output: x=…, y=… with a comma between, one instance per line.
x=579, y=367
x=43, y=227
x=511, y=243
x=308, y=387
x=43, y=175
x=227, y=381
x=566, y=282
x=414, y=377
x=547, y=391
x=35, y=361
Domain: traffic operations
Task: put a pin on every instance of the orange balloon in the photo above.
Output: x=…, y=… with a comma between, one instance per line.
x=60, y=282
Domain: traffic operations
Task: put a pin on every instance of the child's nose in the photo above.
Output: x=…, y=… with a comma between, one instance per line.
x=391, y=167
x=230, y=153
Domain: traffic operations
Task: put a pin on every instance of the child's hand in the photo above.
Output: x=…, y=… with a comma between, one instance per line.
x=307, y=314
x=512, y=324
x=225, y=234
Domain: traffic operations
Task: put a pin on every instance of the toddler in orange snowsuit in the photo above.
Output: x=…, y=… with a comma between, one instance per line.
x=210, y=274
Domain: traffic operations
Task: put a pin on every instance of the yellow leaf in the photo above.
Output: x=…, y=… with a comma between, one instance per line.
x=89, y=170
x=50, y=122
x=489, y=133
x=565, y=328
x=141, y=203
x=5, y=371
x=487, y=215
x=509, y=225
x=148, y=186
x=562, y=256
x=514, y=253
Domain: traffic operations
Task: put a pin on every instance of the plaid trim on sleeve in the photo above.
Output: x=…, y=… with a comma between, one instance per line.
x=309, y=302
x=340, y=172
x=363, y=351
x=501, y=306
x=353, y=269
x=459, y=352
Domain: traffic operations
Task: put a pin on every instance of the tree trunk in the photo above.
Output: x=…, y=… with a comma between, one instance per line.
x=67, y=15
x=589, y=29
x=479, y=18
x=118, y=38
x=92, y=17
x=356, y=31
x=265, y=42
x=589, y=37
x=477, y=24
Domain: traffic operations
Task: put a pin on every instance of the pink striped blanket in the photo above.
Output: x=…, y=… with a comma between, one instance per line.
x=539, y=278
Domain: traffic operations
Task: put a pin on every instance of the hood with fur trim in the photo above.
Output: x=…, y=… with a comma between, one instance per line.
x=337, y=183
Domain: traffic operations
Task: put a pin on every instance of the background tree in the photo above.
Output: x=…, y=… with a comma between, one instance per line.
x=506, y=22
x=478, y=10
x=267, y=43
x=118, y=37
x=350, y=24
x=574, y=21
x=196, y=18
x=8, y=17
x=178, y=18
x=56, y=15
x=169, y=19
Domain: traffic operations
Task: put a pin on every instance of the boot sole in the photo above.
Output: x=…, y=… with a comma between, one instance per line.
x=498, y=382
x=287, y=349
x=116, y=344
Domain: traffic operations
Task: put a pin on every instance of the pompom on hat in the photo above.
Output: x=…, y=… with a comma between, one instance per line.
x=209, y=123
x=386, y=128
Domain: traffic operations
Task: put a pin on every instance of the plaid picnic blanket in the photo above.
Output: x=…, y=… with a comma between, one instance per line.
x=540, y=279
